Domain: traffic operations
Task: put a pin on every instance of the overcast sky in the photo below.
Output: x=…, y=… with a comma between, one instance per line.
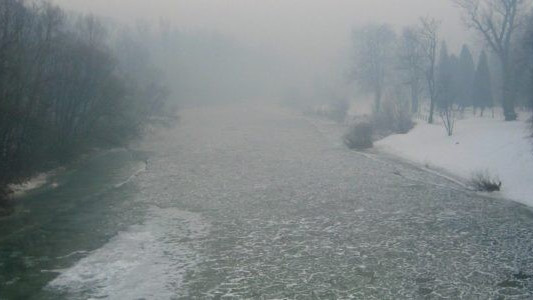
x=279, y=21
x=314, y=31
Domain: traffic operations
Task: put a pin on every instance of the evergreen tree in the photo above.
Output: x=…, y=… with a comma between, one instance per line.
x=456, y=84
x=482, y=92
x=465, y=78
x=445, y=90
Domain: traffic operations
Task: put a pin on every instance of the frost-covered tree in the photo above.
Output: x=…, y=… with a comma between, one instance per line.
x=374, y=49
x=482, y=85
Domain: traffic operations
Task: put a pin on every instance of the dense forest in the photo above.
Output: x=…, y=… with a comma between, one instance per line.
x=68, y=85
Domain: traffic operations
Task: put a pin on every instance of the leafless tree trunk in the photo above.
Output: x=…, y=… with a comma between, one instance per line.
x=448, y=119
x=412, y=64
x=373, y=47
x=429, y=40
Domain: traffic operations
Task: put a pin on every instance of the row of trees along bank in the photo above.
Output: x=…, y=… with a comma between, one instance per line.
x=67, y=85
x=418, y=61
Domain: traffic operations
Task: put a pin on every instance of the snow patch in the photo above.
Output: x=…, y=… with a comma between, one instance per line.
x=502, y=148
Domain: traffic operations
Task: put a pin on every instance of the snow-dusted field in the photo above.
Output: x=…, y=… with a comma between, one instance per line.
x=504, y=149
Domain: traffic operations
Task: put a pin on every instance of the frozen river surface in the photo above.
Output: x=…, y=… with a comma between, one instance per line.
x=257, y=203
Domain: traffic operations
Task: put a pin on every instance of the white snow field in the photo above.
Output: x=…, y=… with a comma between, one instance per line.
x=504, y=149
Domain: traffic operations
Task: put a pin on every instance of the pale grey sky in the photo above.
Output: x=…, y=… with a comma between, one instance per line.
x=279, y=21
x=312, y=31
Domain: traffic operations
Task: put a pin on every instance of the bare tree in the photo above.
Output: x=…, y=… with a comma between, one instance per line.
x=497, y=21
x=446, y=90
x=412, y=65
x=374, y=45
x=448, y=119
x=428, y=37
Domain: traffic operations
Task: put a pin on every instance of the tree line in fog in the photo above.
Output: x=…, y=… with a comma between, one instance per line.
x=416, y=73
x=68, y=84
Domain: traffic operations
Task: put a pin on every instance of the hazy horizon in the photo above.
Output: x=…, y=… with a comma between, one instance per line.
x=312, y=36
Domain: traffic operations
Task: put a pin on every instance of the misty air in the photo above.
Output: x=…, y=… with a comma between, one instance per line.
x=266, y=149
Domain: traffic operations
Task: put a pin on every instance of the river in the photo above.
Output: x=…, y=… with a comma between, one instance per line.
x=259, y=203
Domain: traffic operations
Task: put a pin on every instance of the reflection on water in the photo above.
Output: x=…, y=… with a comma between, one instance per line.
x=76, y=212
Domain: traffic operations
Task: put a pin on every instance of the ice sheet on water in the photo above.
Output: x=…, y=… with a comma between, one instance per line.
x=146, y=261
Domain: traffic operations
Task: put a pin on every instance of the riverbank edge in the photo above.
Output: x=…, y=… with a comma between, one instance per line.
x=460, y=157
x=8, y=196
x=378, y=152
x=10, y=193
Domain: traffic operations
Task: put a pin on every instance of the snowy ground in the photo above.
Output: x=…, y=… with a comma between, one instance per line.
x=504, y=149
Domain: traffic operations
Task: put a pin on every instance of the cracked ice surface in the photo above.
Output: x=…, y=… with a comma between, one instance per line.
x=293, y=214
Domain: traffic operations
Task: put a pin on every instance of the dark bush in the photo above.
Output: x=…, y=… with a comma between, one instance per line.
x=359, y=136
x=339, y=110
x=393, y=118
x=484, y=182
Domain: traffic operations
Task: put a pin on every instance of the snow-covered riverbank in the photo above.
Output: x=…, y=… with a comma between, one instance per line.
x=504, y=149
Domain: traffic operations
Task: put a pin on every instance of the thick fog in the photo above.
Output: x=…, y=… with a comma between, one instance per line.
x=317, y=26
x=267, y=46
x=266, y=149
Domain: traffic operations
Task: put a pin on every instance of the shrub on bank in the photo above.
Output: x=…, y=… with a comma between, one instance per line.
x=482, y=181
x=393, y=118
x=359, y=136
